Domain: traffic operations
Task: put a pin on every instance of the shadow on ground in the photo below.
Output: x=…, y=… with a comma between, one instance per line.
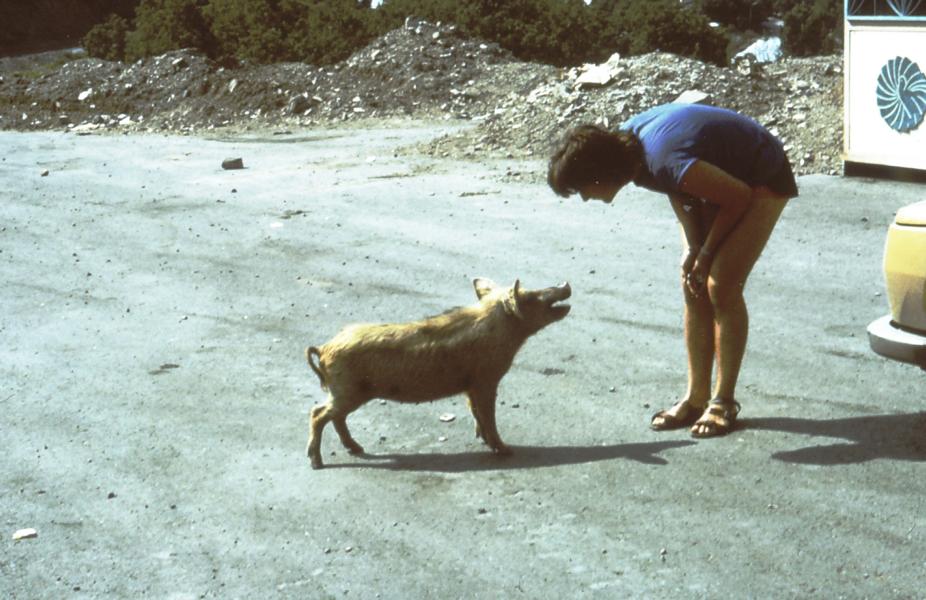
x=523, y=457
x=896, y=437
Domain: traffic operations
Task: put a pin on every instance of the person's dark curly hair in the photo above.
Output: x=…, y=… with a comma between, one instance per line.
x=589, y=154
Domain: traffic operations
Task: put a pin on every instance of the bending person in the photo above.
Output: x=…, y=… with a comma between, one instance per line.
x=728, y=180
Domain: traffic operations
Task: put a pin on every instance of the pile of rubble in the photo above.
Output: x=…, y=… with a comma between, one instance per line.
x=798, y=100
x=429, y=71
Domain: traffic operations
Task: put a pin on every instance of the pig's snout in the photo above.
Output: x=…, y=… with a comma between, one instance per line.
x=556, y=295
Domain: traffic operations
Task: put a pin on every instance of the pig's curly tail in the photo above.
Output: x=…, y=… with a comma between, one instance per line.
x=309, y=353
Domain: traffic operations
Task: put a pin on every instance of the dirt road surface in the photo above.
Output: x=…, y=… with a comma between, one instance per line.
x=154, y=397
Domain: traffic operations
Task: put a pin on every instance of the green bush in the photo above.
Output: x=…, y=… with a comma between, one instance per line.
x=392, y=13
x=164, y=25
x=741, y=14
x=813, y=28
x=314, y=31
x=641, y=26
x=559, y=32
x=332, y=30
x=550, y=31
x=107, y=40
x=38, y=24
x=249, y=29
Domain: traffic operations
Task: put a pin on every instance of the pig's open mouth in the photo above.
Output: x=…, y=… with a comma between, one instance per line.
x=555, y=300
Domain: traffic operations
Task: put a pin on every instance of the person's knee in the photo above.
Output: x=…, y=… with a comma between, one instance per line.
x=695, y=302
x=724, y=295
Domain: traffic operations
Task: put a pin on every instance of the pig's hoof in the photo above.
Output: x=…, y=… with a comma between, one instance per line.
x=356, y=449
x=502, y=450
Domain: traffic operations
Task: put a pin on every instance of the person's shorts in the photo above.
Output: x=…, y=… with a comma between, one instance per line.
x=782, y=182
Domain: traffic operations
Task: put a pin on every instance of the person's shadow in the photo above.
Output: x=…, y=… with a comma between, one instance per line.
x=522, y=457
x=896, y=437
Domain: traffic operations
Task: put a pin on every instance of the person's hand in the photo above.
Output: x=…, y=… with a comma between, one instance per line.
x=696, y=278
x=688, y=261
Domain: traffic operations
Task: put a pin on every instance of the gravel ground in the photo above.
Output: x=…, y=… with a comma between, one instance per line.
x=154, y=313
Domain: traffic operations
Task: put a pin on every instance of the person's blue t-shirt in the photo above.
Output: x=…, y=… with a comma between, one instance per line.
x=674, y=136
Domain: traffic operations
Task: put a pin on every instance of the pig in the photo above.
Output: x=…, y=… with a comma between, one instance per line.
x=465, y=350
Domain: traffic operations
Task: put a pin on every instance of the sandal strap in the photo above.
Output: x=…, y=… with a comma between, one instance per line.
x=718, y=418
x=682, y=417
x=688, y=407
x=727, y=408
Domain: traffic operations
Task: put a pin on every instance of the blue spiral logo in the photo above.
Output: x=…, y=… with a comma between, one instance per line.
x=902, y=94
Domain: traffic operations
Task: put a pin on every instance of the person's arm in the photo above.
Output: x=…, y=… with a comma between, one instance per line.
x=732, y=197
x=688, y=213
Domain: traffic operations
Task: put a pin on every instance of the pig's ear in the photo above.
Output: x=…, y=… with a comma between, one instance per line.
x=512, y=305
x=483, y=286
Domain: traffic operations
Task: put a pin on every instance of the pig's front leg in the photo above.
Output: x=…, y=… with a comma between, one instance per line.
x=472, y=409
x=482, y=403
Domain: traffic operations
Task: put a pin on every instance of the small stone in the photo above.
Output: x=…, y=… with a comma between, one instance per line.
x=447, y=417
x=25, y=534
x=45, y=173
x=233, y=163
x=693, y=97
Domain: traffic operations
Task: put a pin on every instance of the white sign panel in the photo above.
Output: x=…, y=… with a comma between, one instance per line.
x=886, y=95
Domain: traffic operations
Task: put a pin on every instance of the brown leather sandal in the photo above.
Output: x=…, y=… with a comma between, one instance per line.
x=718, y=418
x=670, y=421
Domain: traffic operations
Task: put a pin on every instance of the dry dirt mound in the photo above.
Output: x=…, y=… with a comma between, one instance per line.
x=424, y=70
x=419, y=70
x=800, y=100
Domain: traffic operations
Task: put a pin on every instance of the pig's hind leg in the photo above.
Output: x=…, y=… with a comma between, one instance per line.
x=340, y=425
x=336, y=411
x=318, y=418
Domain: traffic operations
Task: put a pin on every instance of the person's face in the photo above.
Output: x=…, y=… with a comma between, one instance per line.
x=600, y=191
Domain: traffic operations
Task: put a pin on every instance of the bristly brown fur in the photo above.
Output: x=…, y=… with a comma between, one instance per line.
x=465, y=350
x=309, y=353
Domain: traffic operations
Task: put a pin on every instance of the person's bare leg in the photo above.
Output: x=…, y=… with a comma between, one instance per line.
x=729, y=272
x=698, y=320
x=699, y=342
x=732, y=330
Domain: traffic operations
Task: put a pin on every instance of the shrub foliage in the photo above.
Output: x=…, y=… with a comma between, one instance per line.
x=559, y=32
x=107, y=40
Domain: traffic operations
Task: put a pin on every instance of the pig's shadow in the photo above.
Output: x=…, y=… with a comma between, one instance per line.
x=522, y=457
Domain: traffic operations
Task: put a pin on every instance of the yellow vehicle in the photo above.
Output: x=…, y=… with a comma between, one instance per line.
x=901, y=335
